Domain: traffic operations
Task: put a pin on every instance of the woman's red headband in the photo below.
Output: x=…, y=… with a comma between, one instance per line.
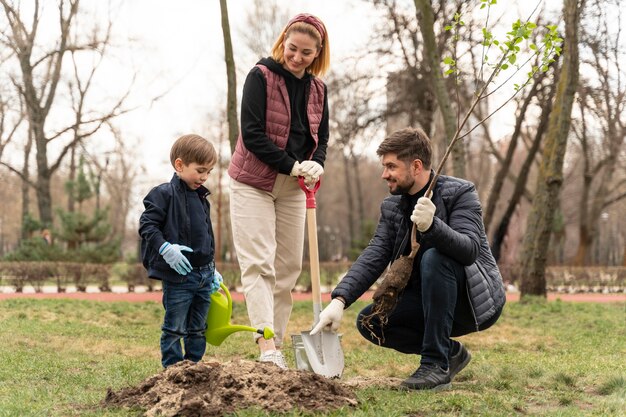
x=311, y=20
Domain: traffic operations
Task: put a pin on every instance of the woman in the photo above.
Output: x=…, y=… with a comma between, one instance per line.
x=284, y=134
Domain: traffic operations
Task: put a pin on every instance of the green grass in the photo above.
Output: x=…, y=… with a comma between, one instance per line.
x=59, y=357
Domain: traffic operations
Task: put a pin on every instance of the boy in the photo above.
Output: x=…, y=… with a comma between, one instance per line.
x=177, y=247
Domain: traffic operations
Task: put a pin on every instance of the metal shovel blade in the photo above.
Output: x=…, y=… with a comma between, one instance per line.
x=323, y=350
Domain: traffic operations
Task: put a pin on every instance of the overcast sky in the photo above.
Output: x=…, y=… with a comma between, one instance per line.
x=181, y=47
x=178, y=47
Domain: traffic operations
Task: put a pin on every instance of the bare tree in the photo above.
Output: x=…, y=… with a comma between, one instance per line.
x=117, y=170
x=355, y=119
x=601, y=104
x=505, y=164
x=231, y=74
x=502, y=225
x=87, y=123
x=40, y=67
x=433, y=59
x=397, y=45
x=10, y=121
x=264, y=21
x=550, y=177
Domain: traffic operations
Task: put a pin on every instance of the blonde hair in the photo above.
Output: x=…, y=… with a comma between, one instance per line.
x=322, y=62
x=193, y=148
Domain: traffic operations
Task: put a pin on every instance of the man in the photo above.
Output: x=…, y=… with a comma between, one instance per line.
x=455, y=287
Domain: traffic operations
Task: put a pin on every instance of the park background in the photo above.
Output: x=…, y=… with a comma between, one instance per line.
x=93, y=93
x=90, y=104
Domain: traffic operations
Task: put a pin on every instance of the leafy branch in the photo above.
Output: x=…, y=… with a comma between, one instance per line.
x=543, y=52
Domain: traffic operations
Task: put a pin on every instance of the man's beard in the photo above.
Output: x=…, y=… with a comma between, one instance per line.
x=403, y=188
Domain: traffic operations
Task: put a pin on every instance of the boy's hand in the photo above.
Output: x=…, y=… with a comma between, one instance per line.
x=217, y=280
x=173, y=255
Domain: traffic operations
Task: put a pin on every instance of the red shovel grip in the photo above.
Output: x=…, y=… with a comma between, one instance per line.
x=309, y=192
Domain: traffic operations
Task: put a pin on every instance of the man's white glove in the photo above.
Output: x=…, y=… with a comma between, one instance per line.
x=296, y=171
x=311, y=171
x=330, y=317
x=423, y=214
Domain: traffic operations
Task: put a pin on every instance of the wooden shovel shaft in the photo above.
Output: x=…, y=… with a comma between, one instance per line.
x=314, y=260
x=415, y=246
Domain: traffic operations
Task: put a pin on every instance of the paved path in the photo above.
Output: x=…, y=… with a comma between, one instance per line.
x=298, y=296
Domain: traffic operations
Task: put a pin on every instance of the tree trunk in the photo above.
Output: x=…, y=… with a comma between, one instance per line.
x=522, y=178
x=44, y=197
x=584, y=244
x=505, y=166
x=231, y=105
x=550, y=179
x=71, y=179
x=217, y=228
x=443, y=99
x=585, y=238
x=25, y=184
x=349, y=198
x=359, y=200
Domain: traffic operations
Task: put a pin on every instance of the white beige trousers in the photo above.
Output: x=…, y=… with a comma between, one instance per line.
x=268, y=233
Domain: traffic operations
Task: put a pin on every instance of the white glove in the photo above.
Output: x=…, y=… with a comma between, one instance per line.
x=296, y=171
x=423, y=214
x=311, y=170
x=330, y=317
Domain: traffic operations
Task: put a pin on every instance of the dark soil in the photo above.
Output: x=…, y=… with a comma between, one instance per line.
x=215, y=389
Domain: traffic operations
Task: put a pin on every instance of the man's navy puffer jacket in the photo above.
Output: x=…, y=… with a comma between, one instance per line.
x=457, y=231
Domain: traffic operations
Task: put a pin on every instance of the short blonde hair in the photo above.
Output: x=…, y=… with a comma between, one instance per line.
x=321, y=63
x=193, y=148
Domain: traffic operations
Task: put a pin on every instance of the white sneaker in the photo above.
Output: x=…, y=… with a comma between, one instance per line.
x=274, y=356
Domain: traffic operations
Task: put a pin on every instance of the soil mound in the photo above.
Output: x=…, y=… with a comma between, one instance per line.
x=215, y=389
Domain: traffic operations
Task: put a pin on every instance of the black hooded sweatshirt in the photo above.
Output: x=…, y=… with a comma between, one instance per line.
x=300, y=142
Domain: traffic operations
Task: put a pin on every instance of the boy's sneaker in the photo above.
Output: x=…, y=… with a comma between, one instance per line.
x=274, y=356
x=459, y=361
x=428, y=377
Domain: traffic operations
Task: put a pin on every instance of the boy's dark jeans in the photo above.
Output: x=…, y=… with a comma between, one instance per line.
x=186, y=306
x=428, y=312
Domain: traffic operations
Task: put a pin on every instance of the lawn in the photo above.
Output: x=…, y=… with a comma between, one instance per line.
x=59, y=357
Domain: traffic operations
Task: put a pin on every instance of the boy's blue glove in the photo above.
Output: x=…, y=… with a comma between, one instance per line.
x=217, y=280
x=173, y=255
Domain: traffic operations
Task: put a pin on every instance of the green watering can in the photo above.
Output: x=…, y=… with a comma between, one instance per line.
x=218, y=319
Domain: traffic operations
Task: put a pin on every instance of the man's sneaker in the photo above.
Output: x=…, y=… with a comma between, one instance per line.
x=459, y=361
x=428, y=377
x=274, y=356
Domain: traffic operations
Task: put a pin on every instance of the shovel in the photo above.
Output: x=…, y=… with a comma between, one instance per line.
x=323, y=349
x=218, y=319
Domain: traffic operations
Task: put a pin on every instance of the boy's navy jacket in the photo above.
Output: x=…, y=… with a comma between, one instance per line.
x=167, y=218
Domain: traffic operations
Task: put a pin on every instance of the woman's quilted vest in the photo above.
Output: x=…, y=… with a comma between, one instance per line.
x=247, y=168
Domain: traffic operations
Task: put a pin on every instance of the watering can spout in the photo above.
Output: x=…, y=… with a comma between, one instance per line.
x=218, y=319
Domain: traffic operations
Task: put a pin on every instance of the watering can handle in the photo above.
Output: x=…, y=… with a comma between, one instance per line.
x=224, y=288
x=309, y=192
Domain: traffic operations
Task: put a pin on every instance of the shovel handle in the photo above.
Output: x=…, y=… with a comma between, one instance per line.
x=314, y=259
x=309, y=192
